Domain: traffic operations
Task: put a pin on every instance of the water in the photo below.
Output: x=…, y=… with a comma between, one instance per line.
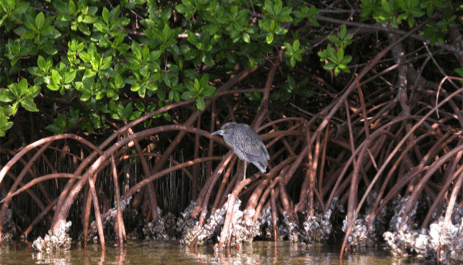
x=171, y=253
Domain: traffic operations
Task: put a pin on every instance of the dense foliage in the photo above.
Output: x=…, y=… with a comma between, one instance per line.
x=81, y=63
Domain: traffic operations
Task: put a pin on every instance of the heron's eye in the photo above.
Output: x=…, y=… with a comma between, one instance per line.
x=226, y=129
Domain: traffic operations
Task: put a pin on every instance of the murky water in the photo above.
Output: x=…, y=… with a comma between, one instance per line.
x=171, y=253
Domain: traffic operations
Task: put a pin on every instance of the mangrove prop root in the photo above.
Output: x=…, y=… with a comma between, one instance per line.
x=320, y=163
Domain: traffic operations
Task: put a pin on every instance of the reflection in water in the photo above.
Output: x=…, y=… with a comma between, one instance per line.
x=171, y=253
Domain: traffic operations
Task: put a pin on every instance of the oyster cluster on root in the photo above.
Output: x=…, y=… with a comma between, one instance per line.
x=185, y=225
x=316, y=229
x=108, y=220
x=288, y=230
x=239, y=232
x=9, y=227
x=163, y=229
x=364, y=234
x=194, y=232
x=361, y=235
x=440, y=239
x=427, y=243
x=60, y=241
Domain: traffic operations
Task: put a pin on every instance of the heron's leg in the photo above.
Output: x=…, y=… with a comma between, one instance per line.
x=245, y=165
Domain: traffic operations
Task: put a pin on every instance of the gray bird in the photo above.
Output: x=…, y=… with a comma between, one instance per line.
x=246, y=144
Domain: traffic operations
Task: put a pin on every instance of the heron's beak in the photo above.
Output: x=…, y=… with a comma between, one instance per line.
x=218, y=132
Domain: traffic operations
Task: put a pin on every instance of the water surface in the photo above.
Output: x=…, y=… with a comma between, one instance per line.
x=171, y=253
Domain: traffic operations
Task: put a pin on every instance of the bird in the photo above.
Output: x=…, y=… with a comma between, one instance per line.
x=246, y=144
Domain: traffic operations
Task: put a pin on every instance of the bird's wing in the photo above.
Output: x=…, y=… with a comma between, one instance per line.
x=264, y=150
x=247, y=144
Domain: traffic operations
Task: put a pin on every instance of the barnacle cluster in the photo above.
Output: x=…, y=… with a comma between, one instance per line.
x=59, y=241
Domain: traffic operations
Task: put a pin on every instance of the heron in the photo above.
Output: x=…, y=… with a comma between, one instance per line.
x=246, y=144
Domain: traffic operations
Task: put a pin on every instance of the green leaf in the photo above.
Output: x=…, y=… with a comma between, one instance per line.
x=204, y=80
x=39, y=20
x=49, y=49
x=343, y=31
x=100, y=95
x=136, y=50
x=387, y=5
x=192, y=38
x=135, y=87
x=296, y=45
x=90, y=19
x=346, y=59
x=291, y=82
x=292, y=61
x=161, y=93
x=101, y=27
x=333, y=38
x=55, y=76
x=29, y=105
x=200, y=104
x=411, y=21
x=14, y=108
x=127, y=110
x=166, y=32
x=246, y=37
x=140, y=106
x=72, y=7
x=21, y=7
x=197, y=85
x=6, y=95
x=188, y=95
x=340, y=54
x=42, y=63
x=209, y=91
x=135, y=115
x=269, y=38
x=85, y=57
x=118, y=81
x=53, y=128
x=416, y=12
x=403, y=5
x=459, y=71
x=22, y=86
x=53, y=86
x=85, y=97
x=269, y=7
x=69, y=76
x=331, y=52
x=289, y=49
x=329, y=66
x=277, y=7
x=89, y=73
x=145, y=51
x=106, y=15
